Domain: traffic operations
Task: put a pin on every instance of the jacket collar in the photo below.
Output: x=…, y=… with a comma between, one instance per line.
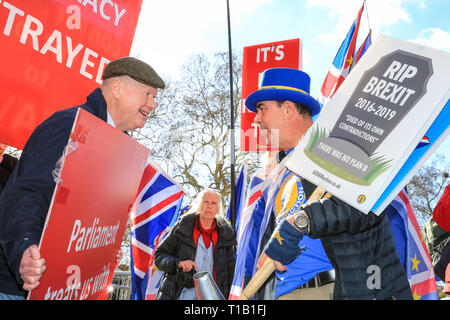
x=186, y=227
x=98, y=104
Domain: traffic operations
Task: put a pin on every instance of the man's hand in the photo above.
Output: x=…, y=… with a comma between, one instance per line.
x=283, y=245
x=187, y=265
x=278, y=265
x=32, y=266
x=290, y=219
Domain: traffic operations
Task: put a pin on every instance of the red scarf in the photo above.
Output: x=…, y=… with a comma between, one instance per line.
x=207, y=234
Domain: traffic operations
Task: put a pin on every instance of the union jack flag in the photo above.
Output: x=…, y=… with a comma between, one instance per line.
x=247, y=235
x=362, y=49
x=253, y=194
x=423, y=142
x=155, y=210
x=254, y=221
x=412, y=249
x=342, y=62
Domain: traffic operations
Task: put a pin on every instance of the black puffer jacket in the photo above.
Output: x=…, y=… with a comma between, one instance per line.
x=359, y=246
x=179, y=245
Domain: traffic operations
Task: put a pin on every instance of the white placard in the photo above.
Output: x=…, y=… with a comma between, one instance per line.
x=373, y=123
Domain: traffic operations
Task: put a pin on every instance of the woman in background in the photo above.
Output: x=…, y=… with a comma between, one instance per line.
x=200, y=241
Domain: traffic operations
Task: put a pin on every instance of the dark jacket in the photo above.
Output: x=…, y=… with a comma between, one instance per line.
x=358, y=246
x=7, y=165
x=26, y=199
x=179, y=245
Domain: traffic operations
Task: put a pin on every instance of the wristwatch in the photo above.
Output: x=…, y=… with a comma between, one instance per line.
x=301, y=221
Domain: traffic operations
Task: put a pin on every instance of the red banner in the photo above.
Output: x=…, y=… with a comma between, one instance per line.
x=89, y=211
x=256, y=59
x=53, y=55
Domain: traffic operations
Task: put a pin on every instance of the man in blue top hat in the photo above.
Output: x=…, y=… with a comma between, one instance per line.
x=327, y=249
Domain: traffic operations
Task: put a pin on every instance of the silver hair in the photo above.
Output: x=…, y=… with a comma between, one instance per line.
x=199, y=198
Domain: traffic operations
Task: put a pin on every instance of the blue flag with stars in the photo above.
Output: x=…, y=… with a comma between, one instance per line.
x=412, y=249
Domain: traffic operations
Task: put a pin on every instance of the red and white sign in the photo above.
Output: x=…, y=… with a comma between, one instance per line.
x=256, y=59
x=89, y=211
x=53, y=55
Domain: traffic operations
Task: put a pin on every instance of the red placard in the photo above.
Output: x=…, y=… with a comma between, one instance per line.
x=256, y=59
x=89, y=211
x=53, y=55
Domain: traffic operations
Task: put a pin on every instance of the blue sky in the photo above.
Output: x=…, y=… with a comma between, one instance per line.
x=169, y=31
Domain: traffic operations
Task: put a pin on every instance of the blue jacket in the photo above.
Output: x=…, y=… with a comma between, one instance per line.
x=25, y=201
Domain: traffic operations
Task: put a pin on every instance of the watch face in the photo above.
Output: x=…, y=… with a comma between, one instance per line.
x=301, y=221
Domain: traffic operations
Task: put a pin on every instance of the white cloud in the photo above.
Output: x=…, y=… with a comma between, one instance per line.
x=169, y=31
x=307, y=61
x=381, y=14
x=435, y=38
x=241, y=8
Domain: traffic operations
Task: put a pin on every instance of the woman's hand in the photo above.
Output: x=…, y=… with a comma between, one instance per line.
x=187, y=265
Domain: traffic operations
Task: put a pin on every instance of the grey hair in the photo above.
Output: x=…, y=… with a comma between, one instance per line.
x=199, y=198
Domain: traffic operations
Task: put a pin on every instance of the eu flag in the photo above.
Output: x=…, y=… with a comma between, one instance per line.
x=412, y=249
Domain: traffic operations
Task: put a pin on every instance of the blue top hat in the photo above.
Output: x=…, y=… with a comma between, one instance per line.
x=284, y=84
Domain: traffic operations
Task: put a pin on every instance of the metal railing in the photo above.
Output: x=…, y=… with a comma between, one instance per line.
x=121, y=286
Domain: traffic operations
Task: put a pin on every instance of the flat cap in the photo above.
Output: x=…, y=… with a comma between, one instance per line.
x=136, y=69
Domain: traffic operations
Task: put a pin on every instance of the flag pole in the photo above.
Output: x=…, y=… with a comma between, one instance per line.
x=367, y=14
x=232, y=173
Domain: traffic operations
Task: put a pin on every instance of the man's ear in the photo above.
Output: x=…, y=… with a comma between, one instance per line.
x=116, y=87
x=290, y=109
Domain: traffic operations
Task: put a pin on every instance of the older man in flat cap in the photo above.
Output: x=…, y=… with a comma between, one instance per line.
x=125, y=99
